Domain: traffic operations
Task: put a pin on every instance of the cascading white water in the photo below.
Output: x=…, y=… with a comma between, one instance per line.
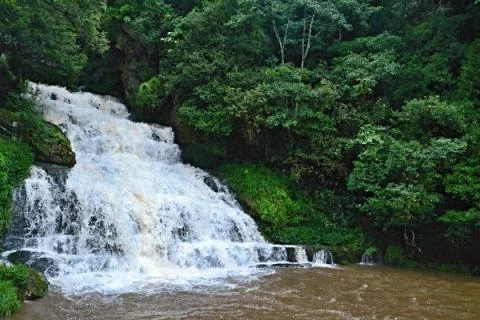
x=323, y=257
x=129, y=213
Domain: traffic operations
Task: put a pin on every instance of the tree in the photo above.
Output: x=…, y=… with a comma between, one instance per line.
x=301, y=24
x=200, y=68
x=398, y=180
x=48, y=40
x=469, y=84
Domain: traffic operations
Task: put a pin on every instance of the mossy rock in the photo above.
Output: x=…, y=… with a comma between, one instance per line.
x=47, y=141
x=29, y=283
x=53, y=147
x=36, y=286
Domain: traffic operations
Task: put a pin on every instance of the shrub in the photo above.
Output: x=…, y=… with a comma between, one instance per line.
x=9, y=302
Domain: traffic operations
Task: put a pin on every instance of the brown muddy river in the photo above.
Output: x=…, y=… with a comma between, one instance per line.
x=354, y=292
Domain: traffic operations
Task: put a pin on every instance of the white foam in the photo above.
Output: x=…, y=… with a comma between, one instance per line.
x=137, y=214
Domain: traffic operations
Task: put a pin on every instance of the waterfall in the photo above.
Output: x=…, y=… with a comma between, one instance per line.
x=129, y=213
x=323, y=257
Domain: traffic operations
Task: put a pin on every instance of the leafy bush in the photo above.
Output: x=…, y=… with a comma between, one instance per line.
x=18, y=274
x=264, y=191
x=290, y=216
x=15, y=161
x=9, y=302
x=17, y=283
x=395, y=255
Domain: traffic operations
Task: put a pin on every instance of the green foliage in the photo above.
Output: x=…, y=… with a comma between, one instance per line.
x=18, y=274
x=464, y=180
x=359, y=74
x=431, y=58
x=204, y=66
x=460, y=224
x=46, y=40
x=18, y=282
x=290, y=217
x=469, y=84
x=9, y=302
x=398, y=179
x=463, y=183
x=395, y=256
x=302, y=27
x=47, y=141
x=15, y=161
x=149, y=94
x=371, y=252
x=264, y=191
x=377, y=43
x=150, y=19
x=431, y=117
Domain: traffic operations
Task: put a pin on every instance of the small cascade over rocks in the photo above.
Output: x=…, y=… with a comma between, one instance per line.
x=129, y=214
x=367, y=259
x=323, y=257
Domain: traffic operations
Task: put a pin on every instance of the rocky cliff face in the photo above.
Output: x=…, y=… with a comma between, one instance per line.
x=135, y=67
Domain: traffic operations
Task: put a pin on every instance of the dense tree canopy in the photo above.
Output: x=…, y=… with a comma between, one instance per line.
x=48, y=40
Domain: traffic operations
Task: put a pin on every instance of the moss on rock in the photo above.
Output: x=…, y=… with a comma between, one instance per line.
x=35, y=287
x=47, y=141
x=53, y=147
x=18, y=283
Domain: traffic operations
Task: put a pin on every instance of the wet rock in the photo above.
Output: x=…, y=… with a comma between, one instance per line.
x=54, y=149
x=47, y=141
x=235, y=234
x=134, y=55
x=310, y=252
x=34, y=260
x=283, y=265
x=182, y=233
x=21, y=256
x=291, y=254
x=42, y=264
x=211, y=183
x=276, y=254
x=36, y=286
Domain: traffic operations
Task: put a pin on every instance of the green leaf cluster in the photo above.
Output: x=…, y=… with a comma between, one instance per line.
x=48, y=41
x=15, y=161
x=18, y=282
